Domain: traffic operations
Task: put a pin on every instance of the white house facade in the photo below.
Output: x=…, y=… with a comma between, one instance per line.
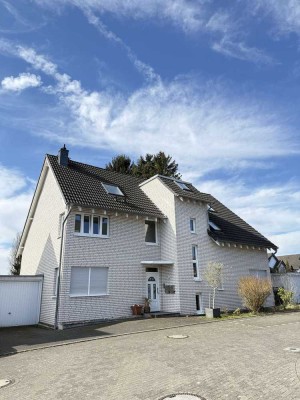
x=105, y=241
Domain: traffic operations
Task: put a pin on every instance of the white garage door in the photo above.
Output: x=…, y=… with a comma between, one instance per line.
x=20, y=301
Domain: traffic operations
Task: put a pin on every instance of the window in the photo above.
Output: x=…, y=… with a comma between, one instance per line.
x=214, y=226
x=55, y=282
x=193, y=225
x=150, y=231
x=113, y=189
x=195, y=261
x=88, y=281
x=91, y=225
x=60, y=224
x=259, y=273
x=199, y=307
x=182, y=186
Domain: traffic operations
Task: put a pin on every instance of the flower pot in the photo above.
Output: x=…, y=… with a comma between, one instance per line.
x=213, y=312
x=137, y=309
x=146, y=309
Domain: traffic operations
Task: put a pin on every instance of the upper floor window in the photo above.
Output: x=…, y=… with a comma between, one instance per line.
x=182, y=185
x=193, y=225
x=214, y=226
x=195, y=261
x=150, y=231
x=91, y=225
x=113, y=189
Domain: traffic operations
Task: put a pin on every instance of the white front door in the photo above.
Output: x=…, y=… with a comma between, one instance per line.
x=152, y=290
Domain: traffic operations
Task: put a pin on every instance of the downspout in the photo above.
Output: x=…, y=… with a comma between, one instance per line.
x=60, y=266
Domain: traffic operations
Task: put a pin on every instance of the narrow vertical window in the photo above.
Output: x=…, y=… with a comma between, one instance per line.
x=199, y=303
x=150, y=231
x=95, y=225
x=77, y=223
x=60, y=224
x=195, y=261
x=86, y=224
x=104, y=226
x=193, y=225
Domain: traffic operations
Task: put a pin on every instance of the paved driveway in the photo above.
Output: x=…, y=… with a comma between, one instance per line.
x=238, y=359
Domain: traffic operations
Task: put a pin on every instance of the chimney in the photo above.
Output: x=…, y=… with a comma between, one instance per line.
x=63, y=158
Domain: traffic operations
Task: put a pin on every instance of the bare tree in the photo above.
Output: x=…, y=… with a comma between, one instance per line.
x=14, y=261
x=213, y=275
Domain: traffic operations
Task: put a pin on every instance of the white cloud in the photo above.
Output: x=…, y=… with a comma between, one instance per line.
x=21, y=82
x=241, y=51
x=187, y=15
x=16, y=192
x=181, y=117
x=272, y=209
x=285, y=14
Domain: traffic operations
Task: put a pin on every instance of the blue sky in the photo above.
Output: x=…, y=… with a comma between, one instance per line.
x=214, y=84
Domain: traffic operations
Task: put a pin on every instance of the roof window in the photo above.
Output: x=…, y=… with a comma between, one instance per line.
x=113, y=189
x=182, y=186
x=214, y=226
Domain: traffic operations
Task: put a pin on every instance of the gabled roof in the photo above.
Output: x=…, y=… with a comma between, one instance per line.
x=233, y=229
x=81, y=184
x=292, y=259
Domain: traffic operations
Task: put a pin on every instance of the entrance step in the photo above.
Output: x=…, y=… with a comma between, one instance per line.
x=162, y=314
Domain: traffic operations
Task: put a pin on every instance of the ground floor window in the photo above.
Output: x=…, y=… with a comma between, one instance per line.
x=88, y=281
x=259, y=273
x=199, y=306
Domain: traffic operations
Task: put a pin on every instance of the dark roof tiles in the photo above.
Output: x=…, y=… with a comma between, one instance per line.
x=81, y=185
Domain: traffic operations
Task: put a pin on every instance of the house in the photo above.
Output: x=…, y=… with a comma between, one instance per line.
x=276, y=264
x=292, y=261
x=104, y=241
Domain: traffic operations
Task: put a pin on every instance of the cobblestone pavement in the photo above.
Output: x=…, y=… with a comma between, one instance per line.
x=230, y=360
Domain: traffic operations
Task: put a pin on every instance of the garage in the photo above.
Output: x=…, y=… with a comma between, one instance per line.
x=20, y=300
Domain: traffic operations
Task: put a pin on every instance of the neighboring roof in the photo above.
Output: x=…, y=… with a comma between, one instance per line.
x=81, y=185
x=278, y=266
x=292, y=259
x=233, y=229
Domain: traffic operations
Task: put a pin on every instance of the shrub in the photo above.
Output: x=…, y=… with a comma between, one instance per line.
x=286, y=297
x=254, y=291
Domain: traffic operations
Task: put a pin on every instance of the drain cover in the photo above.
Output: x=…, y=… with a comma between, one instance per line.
x=177, y=336
x=182, y=396
x=5, y=382
x=293, y=349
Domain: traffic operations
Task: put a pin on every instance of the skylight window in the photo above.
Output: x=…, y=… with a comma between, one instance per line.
x=214, y=226
x=112, y=189
x=182, y=186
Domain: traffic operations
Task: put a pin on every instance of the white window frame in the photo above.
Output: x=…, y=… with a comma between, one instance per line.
x=91, y=216
x=195, y=261
x=60, y=224
x=194, y=225
x=89, y=285
x=156, y=237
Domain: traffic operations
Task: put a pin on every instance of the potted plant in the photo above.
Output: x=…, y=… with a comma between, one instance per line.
x=213, y=275
x=136, y=309
x=147, y=305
